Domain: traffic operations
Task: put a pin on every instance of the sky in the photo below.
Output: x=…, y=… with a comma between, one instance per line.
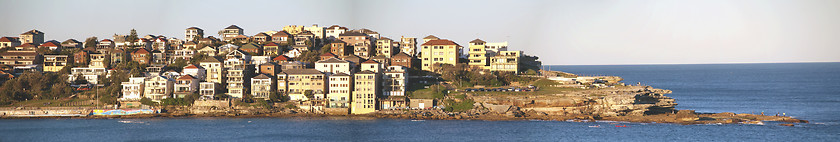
x=560, y=32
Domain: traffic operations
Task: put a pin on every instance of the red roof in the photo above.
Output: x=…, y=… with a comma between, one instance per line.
x=49, y=44
x=281, y=58
x=27, y=45
x=186, y=77
x=8, y=39
x=328, y=54
x=141, y=51
x=191, y=66
x=271, y=44
x=104, y=40
x=440, y=42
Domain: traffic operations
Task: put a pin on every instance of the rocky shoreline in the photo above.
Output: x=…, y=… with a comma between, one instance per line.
x=642, y=104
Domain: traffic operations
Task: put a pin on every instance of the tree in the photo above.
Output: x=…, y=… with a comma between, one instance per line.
x=147, y=101
x=132, y=38
x=91, y=42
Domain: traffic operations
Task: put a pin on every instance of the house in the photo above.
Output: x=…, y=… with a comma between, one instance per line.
x=281, y=38
x=97, y=60
x=300, y=47
x=54, y=63
x=280, y=59
x=318, y=32
x=514, y=61
x=158, y=88
x=141, y=56
x=196, y=71
x=360, y=42
x=238, y=73
x=231, y=32
x=327, y=56
x=171, y=73
x=185, y=85
x=292, y=65
x=190, y=45
x=144, y=43
x=67, y=44
x=294, y=53
x=387, y=47
x=293, y=29
x=117, y=56
x=90, y=75
x=334, y=31
x=394, y=81
x=133, y=89
x=193, y=33
x=373, y=34
x=304, y=38
x=252, y=48
x=422, y=103
x=262, y=86
x=8, y=42
x=52, y=45
x=31, y=36
x=429, y=38
x=214, y=69
x=160, y=44
x=478, y=57
x=302, y=84
x=402, y=59
x=385, y=61
x=408, y=45
x=26, y=47
x=18, y=58
x=371, y=65
x=208, y=50
x=208, y=90
x=366, y=90
x=272, y=49
x=334, y=66
x=393, y=102
x=105, y=44
x=269, y=68
x=81, y=57
x=258, y=60
x=340, y=88
x=338, y=47
x=158, y=57
x=356, y=60
x=185, y=54
x=240, y=39
x=261, y=38
x=227, y=48
x=207, y=41
x=440, y=51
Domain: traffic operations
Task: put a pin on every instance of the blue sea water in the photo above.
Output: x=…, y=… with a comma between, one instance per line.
x=805, y=90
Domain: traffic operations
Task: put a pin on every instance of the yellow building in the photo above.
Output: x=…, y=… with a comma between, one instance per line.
x=366, y=89
x=439, y=51
x=54, y=63
x=514, y=61
x=214, y=70
x=477, y=55
x=297, y=82
x=32, y=36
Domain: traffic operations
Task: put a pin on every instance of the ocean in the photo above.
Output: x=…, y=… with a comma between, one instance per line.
x=807, y=91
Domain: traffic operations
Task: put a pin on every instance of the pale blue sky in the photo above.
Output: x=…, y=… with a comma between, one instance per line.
x=559, y=32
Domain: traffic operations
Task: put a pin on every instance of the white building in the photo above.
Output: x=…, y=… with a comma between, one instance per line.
x=133, y=89
x=91, y=75
x=340, y=88
x=158, y=88
x=394, y=81
x=195, y=71
x=333, y=66
x=207, y=90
